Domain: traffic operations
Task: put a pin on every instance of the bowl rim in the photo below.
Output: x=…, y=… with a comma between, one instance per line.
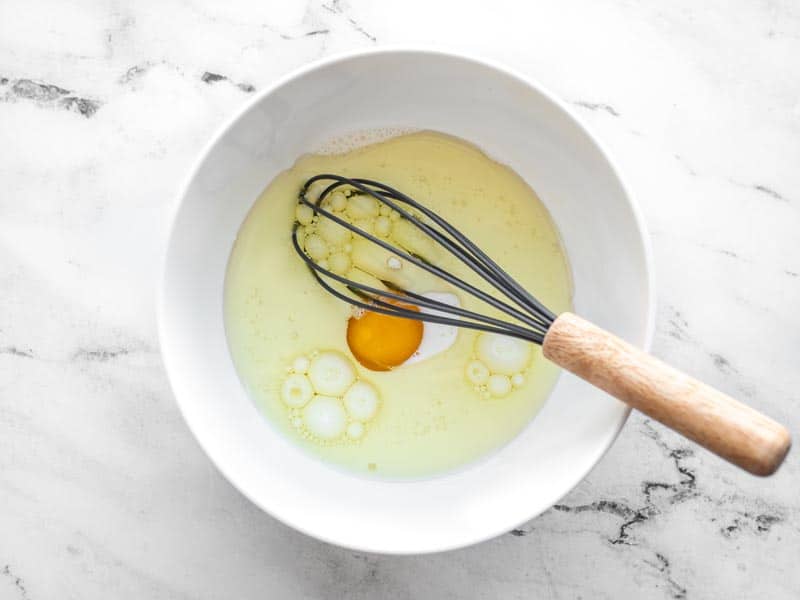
x=173, y=211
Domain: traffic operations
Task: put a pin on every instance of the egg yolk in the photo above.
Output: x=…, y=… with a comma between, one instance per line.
x=380, y=342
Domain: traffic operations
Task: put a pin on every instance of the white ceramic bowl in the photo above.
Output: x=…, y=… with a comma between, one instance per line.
x=517, y=123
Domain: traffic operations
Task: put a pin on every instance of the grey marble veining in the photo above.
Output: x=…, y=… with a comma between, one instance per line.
x=103, y=107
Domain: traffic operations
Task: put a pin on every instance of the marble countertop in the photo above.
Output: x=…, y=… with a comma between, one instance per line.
x=103, y=107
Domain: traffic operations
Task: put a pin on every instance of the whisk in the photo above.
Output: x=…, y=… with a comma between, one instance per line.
x=721, y=424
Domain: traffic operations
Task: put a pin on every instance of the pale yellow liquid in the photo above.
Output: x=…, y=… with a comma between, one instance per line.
x=431, y=419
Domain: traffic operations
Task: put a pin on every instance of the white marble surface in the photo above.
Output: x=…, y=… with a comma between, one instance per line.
x=103, y=106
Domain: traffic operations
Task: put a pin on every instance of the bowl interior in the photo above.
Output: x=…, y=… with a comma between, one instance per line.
x=516, y=124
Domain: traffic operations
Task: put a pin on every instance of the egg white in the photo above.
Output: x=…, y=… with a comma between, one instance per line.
x=436, y=338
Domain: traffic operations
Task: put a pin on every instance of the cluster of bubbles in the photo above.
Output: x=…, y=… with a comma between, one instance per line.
x=337, y=249
x=327, y=401
x=498, y=364
x=329, y=244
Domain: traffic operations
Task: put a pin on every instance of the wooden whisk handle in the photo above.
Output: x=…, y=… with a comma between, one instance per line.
x=714, y=420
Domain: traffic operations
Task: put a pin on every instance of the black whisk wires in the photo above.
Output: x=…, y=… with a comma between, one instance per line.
x=533, y=318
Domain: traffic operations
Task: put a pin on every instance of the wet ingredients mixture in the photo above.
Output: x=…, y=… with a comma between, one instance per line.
x=380, y=394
